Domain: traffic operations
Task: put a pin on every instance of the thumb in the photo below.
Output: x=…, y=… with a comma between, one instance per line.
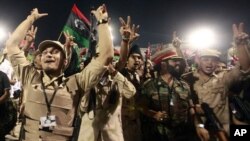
x=42, y=15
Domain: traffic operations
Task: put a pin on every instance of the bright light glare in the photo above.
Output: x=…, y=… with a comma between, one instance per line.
x=202, y=38
x=2, y=33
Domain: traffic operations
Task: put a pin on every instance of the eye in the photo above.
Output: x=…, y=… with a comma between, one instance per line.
x=44, y=52
x=55, y=51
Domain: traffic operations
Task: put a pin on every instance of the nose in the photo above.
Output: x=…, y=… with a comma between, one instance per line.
x=177, y=62
x=210, y=61
x=47, y=54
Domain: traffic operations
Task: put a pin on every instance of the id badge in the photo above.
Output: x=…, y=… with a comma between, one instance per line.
x=48, y=121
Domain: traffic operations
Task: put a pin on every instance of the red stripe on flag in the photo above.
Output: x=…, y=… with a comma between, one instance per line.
x=76, y=11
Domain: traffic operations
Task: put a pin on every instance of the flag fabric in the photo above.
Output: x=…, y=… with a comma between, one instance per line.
x=79, y=27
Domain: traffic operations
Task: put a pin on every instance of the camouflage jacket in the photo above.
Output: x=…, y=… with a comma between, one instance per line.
x=171, y=99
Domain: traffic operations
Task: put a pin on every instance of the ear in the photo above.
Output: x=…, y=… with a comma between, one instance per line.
x=65, y=64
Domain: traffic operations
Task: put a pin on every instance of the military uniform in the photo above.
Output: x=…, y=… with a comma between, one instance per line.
x=214, y=91
x=131, y=123
x=106, y=124
x=66, y=91
x=174, y=101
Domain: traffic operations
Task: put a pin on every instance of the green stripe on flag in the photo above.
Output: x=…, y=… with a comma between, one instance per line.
x=80, y=40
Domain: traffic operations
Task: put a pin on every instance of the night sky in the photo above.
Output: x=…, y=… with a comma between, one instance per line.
x=157, y=18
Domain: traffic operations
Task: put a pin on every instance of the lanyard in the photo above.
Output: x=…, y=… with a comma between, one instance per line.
x=48, y=102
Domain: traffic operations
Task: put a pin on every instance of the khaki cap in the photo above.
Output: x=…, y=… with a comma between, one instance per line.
x=209, y=52
x=50, y=43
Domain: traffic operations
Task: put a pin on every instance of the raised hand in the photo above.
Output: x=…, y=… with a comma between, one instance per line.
x=69, y=39
x=128, y=33
x=101, y=13
x=240, y=37
x=176, y=41
x=36, y=15
x=31, y=34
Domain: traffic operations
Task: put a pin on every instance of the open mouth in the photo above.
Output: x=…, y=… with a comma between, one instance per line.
x=49, y=61
x=209, y=68
x=136, y=64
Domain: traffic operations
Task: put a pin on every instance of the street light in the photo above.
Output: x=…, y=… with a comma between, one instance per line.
x=201, y=38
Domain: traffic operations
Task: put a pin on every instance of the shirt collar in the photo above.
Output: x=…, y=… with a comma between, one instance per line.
x=202, y=79
x=48, y=81
x=197, y=74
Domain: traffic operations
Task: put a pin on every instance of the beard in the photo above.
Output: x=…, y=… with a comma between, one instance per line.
x=174, y=71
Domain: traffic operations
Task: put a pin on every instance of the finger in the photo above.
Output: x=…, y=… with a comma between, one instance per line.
x=43, y=14
x=137, y=28
x=128, y=20
x=208, y=136
x=241, y=27
x=133, y=28
x=122, y=21
x=235, y=30
x=137, y=35
x=32, y=28
x=67, y=33
x=35, y=31
x=99, y=9
x=104, y=8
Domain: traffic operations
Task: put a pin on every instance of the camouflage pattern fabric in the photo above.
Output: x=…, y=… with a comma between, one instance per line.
x=171, y=99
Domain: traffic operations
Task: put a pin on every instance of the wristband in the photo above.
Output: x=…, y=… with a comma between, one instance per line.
x=126, y=39
x=102, y=21
x=200, y=125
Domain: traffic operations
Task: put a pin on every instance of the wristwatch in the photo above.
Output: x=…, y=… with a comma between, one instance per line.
x=102, y=21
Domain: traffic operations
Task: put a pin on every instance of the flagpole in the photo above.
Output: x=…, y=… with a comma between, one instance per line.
x=59, y=36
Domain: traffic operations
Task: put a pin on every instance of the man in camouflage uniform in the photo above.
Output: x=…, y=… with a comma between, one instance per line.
x=130, y=114
x=48, y=95
x=213, y=88
x=166, y=98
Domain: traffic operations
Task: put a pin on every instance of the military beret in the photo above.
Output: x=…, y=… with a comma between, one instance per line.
x=164, y=54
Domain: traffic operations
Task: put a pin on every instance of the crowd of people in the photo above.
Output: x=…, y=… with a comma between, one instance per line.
x=119, y=95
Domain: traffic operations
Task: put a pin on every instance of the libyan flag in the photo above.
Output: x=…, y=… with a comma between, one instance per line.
x=79, y=27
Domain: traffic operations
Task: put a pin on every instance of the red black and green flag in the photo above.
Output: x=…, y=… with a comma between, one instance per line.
x=79, y=27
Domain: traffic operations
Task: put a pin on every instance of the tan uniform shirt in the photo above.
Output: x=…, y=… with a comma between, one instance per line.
x=65, y=102
x=214, y=92
x=106, y=124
